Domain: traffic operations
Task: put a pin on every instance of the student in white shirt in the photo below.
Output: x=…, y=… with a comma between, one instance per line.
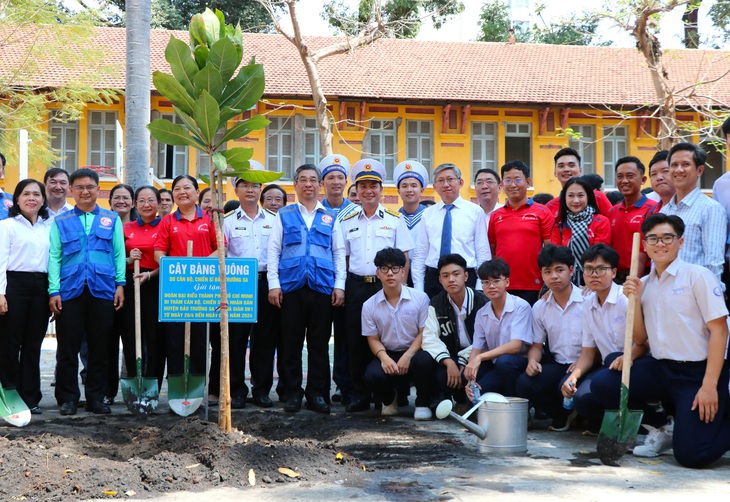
x=556, y=320
x=24, y=246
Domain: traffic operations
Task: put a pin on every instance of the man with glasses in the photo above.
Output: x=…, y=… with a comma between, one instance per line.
x=57, y=191
x=705, y=219
x=453, y=225
x=247, y=230
x=367, y=229
x=393, y=320
x=86, y=278
x=6, y=199
x=518, y=231
x=488, y=185
x=681, y=315
x=306, y=274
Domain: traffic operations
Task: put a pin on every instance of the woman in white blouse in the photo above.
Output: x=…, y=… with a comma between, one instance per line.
x=24, y=244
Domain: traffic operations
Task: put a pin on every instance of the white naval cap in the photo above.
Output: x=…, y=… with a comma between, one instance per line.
x=410, y=169
x=334, y=163
x=367, y=169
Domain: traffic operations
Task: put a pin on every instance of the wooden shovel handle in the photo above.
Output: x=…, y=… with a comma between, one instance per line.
x=137, y=314
x=629, y=331
x=187, y=324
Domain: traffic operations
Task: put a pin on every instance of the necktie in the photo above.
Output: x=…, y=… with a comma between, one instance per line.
x=446, y=231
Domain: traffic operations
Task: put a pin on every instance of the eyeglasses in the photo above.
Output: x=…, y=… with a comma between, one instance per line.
x=493, y=282
x=598, y=271
x=313, y=181
x=481, y=183
x=142, y=202
x=395, y=269
x=85, y=188
x=653, y=240
x=443, y=181
x=515, y=181
x=249, y=186
x=118, y=198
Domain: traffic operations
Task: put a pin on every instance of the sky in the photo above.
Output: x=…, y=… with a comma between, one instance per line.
x=464, y=28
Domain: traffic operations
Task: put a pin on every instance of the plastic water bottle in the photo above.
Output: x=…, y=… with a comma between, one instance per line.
x=568, y=401
x=475, y=390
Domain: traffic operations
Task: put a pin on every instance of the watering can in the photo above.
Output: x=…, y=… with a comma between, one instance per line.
x=502, y=421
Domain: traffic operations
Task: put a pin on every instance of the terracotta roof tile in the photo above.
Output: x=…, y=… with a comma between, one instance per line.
x=422, y=71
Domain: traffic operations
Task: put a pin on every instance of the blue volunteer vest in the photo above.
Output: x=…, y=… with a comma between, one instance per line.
x=87, y=259
x=306, y=255
x=6, y=202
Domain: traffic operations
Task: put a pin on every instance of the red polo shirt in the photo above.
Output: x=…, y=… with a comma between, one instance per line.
x=142, y=236
x=599, y=230
x=604, y=205
x=624, y=222
x=175, y=232
x=518, y=236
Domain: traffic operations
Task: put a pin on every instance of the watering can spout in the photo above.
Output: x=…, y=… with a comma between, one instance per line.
x=443, y=410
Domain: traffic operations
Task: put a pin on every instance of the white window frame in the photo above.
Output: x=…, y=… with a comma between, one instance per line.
x=481, y=140
x=66, y=129
x=615, y=138
x=521, y=130
x=383, y=129
x=162, y=152
x=424, y=143
x=586, y=140
x=107, y=124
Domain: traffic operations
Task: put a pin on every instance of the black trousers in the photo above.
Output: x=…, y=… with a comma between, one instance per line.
x=22, y=330
x=153, y=334
x=119, y=332
x=175, y=347
x=92, y=315
x=238, y=335
x=341, y=364
x=265, y=340
x=530, y=296
x=421, y=372
x=432, y=286
x=357, y=293
x=306, y=313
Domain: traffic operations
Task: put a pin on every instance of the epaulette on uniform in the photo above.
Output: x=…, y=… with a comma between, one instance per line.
x=272, y=213
x=392, y=212
x=229, y=213
x=351, y=215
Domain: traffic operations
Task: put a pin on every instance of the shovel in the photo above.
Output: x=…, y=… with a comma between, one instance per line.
x=619, y=427
x=186, y=391
x=12, y=408
x=140, y=394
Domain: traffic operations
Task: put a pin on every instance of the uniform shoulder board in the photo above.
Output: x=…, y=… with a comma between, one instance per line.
x=392, y=212
x=272, y=213
x=233, y=211
x=351, y=215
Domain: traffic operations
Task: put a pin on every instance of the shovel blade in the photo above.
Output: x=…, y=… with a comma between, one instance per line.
x=618, y=434
x=13, y=409
x=186, y=393
x=140, y=395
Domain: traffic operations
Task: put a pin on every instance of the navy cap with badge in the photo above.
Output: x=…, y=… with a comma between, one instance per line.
x=254, y=165
x=410, y=169
x=367, y=169
x=334, y=163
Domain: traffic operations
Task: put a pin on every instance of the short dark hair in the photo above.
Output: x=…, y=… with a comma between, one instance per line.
x=307, y=167
x=542, y=198
x=184, y=177
x=615, y=197
x=165, y=190
x=2, y=159
x=567, y=151
x=659, y=218
x=390, y=256
x=121, y=186
x=493, y=269
x=54, y=171
x=516, y=164
x=699, y=156
x=631, y=159
x=552, y=254
x=84, y=172
x=594, y=180
x=15, y=208
x=268, y=188
x=647, y=190
x=487, y=170
x=590, y=196
x=203, y=192
x=601, y=250
x=725, y=126
x=147, y=187
x=451, y=259
x=658, y=157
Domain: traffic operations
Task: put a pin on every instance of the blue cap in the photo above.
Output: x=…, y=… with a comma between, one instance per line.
x=410, y=169
x=334, y=163
x=367, y=169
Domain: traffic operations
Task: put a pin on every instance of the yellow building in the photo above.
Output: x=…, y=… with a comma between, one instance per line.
x=472, y=104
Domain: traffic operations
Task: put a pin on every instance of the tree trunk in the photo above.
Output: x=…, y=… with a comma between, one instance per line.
x=320, y=104
x=137, y=98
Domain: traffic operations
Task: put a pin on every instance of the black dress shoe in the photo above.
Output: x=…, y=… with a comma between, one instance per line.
x=36, y=410
x=109, y=401
x=358, y=405
x=318, y=404
x=337, y=396
x=263, y=401
x=68, y=408
x=98, y=408
x=293, y=404
x=238, y=402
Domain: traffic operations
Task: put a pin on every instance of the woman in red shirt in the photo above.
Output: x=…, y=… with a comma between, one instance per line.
x=188, y=223
x=139, y=240
x=579, y=226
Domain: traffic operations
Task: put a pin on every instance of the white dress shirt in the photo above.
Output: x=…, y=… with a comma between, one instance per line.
x=275, y=245
x=52, y=214
x=563, y=328
x=23, y=247
x=364, y=237
x=249, y=238
x=397, y=326
x=515, y=324
x=677, y=307
x=604, y=325
x=468, y=237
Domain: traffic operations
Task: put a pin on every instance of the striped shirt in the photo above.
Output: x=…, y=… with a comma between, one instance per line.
x=705, y=231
